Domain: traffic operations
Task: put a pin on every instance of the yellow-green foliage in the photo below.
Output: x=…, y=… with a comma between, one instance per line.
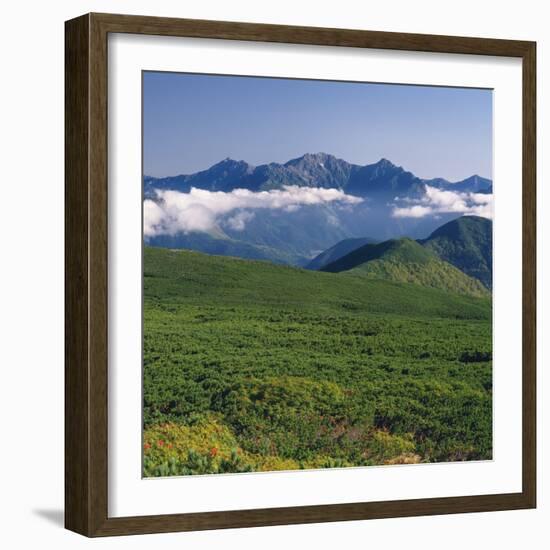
x=207, y=436
x=385, y=447
x=432, y=273
x=209, y=446
x=273, y=463
x=206, y=447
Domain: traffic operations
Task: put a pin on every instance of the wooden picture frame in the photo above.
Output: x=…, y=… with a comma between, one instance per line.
x=86, y=282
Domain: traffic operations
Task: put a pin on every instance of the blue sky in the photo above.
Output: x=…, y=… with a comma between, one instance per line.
x=193, y=121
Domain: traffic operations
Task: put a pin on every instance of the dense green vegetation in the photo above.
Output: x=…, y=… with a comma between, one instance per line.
x=250, y=365
x=406, y=261
x=467, y=243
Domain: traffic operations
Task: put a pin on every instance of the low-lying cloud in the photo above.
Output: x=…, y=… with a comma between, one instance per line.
x=172, y=212
x=437, y=201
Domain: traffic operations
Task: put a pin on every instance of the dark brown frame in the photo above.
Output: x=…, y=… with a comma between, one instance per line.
x=86, y=274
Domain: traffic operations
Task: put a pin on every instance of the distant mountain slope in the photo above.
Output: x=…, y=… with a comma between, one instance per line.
x=337, y=251
x=303, y=232
x=406, y=261
x=473, y=184
x=467, y=243
x=211, y=244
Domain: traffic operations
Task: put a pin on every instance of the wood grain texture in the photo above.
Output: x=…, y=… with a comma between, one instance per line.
x=86, y=280
x=529, y=276
x=77, y=382
x=164, y=26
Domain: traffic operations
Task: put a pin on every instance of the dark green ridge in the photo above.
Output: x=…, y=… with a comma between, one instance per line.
x=467, y=243
x=406, y=261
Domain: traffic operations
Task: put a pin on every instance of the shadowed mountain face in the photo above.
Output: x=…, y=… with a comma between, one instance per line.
x=406, y=261
x=299, y=234
x=467, y=243
x=336, y=252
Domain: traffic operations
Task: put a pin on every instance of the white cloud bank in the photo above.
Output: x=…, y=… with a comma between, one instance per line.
x=437, y=201
x=202, y=211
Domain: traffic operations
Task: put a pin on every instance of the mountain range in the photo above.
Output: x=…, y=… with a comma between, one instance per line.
x=315, y=235
x=382, y=178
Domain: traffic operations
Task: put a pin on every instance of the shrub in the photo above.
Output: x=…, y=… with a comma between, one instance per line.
x=294, y=417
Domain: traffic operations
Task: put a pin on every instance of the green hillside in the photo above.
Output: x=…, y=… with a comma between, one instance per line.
x=406, y=261
x=180, y=276
x=254, y=366
x=467, y=243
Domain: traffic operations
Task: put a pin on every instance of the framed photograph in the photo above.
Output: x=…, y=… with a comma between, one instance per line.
x=300, y=275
